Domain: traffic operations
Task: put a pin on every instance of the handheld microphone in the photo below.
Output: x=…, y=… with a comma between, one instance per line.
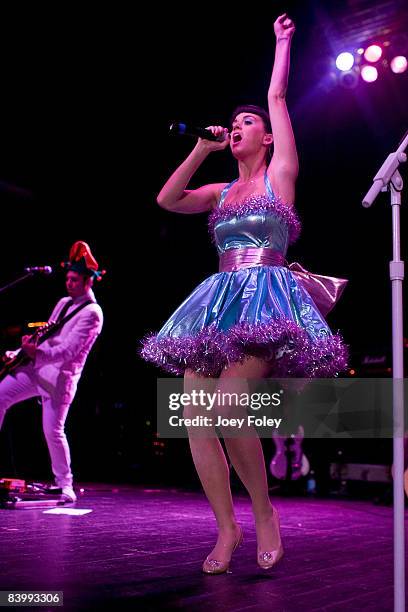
x=185, y=129
x=41, y=269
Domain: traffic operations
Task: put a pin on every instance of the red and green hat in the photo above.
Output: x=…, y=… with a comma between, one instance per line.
x=82, y=261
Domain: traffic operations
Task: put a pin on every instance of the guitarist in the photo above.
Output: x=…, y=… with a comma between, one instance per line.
x=51, y=367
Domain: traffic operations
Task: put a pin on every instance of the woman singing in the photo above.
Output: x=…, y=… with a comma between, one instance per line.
x=254, y=318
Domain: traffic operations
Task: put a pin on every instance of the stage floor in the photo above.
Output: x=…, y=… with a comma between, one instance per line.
x=142, y=549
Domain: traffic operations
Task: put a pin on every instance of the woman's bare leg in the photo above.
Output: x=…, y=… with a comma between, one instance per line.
x=213, y=471
x=246, y=455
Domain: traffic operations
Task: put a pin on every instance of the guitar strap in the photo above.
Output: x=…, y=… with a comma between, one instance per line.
x=22, y=359
x=61, y=321
x=63, y=310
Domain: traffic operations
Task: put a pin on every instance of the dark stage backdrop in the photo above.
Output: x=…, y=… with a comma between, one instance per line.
x=86, y=100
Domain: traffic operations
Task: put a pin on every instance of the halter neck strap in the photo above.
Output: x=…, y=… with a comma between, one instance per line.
x=268, y=186
x=225, y=191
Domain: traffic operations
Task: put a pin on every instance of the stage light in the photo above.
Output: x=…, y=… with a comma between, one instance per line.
x=372, y=60
x=399, y=64
x=369, y=74
x=373, y=53
x=349, y=79
x=345, y=61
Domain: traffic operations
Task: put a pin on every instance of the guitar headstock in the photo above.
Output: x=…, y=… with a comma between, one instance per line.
x=39, y=328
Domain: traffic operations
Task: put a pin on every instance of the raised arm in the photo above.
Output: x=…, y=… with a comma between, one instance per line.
x=284, y=166
x=175, y=197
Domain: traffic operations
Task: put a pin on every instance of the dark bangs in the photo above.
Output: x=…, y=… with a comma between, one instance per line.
x=253, y=110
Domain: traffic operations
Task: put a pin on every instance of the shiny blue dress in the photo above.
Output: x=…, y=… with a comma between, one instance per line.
x=252, y=309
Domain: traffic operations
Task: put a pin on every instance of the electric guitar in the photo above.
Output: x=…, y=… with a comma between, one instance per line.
x=289, y=461
x=21, y=358
x=40, y=335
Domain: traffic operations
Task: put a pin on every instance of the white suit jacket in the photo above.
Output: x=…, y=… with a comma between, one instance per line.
x=60, y=359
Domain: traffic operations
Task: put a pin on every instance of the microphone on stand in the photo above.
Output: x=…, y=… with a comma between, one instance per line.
x=40, y=269
x=185, y=129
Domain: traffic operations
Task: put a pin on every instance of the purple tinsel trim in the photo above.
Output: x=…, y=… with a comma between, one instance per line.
x=258, y=204
x=210, y=351
x=207, y=353
x=296, y=354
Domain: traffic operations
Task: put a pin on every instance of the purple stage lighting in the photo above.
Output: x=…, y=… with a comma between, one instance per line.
x=373, y=53
x=345, y=61
x=369, y=74
x=399, y=64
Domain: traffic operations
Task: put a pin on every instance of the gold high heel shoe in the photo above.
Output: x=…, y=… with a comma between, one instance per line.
x=267, y=559
x=212, y=566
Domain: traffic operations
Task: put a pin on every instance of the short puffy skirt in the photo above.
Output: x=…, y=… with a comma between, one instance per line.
x=261, y=311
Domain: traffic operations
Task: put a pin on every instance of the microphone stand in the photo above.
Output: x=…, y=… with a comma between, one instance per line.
x=389, y=178
x=18, y=280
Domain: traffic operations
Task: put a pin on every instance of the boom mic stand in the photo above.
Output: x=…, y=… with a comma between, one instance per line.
x=389, y=179
x=17, y=280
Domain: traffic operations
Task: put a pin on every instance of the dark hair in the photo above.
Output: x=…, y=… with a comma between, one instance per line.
x=253, y=110
x=84, y=275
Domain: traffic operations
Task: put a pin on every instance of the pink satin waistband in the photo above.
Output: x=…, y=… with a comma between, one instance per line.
x=236, y=259
x=324, y=290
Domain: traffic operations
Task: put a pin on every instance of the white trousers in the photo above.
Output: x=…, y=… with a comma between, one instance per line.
x=22, y=385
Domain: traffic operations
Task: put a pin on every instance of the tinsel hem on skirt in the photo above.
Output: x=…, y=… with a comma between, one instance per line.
x=231, y=316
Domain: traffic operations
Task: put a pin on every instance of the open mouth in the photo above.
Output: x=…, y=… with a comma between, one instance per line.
x=236, y=137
